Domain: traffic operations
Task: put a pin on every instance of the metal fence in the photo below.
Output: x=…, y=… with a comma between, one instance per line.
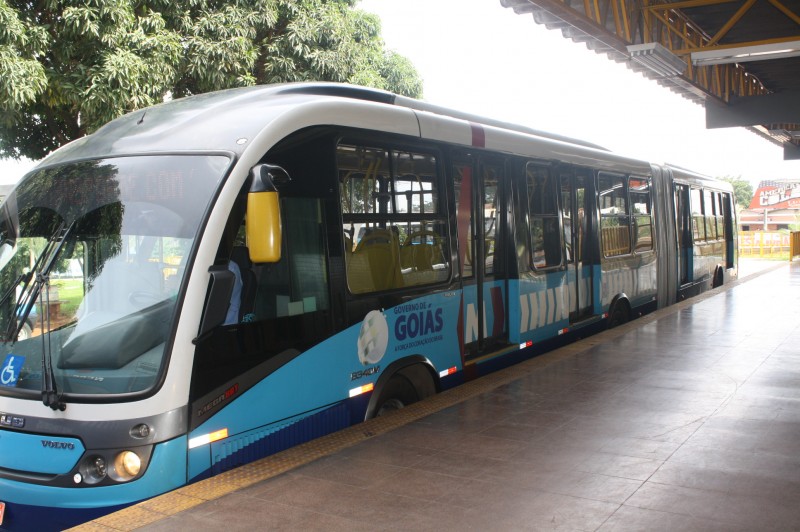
x=769, y=244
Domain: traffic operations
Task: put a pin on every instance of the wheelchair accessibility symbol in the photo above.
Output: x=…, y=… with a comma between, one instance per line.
x=10, y=370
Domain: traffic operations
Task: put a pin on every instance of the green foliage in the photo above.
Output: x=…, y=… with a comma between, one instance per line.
x=69, y=66
x=70, y=293
x=796, y=225
x=742, y=191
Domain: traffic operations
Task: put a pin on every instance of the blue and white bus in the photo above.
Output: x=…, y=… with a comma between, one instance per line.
x=211, y=280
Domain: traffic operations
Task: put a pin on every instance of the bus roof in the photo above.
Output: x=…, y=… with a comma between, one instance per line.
x=693, y=178
x=222, y=121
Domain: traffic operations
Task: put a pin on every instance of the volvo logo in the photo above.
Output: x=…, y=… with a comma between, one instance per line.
x=52, y=444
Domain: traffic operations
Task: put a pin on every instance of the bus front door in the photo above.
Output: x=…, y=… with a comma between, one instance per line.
x=483, y=322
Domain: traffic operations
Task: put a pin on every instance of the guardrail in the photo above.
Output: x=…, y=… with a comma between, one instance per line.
x=776, y=245
x=764, y=244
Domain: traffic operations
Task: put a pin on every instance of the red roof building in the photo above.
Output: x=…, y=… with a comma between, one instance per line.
x=775, y=206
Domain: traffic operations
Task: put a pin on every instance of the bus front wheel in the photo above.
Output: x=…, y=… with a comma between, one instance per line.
x=398, y=393
x=406, y=386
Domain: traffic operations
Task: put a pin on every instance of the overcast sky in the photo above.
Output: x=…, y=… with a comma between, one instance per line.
x=479, y=57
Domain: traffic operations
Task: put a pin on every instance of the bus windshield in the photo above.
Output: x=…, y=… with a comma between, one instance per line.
x=92, y=255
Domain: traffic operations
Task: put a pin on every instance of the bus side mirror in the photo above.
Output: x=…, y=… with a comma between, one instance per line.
x=263, y=221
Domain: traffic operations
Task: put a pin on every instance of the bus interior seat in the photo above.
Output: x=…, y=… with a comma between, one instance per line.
x=375, y=263
x=422, y=258
x=421, y=251
x=616, y=240
x=359, y=276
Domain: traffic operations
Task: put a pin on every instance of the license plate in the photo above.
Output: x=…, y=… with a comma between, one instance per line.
x=2, y=511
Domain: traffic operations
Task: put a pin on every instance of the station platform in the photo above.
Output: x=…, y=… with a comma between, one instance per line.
x=685, y=419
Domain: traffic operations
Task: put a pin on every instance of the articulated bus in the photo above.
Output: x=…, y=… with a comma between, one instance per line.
x=214, y=279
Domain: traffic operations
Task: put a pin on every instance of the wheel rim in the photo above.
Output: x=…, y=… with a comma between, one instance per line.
x=390, y=405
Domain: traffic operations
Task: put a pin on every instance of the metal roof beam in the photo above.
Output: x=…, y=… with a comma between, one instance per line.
x=685, y=4
x=786, y=11
x=732, y=22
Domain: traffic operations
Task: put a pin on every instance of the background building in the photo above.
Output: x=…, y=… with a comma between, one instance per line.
x=775, y=205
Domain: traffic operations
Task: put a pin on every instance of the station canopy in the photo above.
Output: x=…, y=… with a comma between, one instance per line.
x=740, y=59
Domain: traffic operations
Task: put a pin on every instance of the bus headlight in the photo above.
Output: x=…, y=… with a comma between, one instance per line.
x=112, y=466
x=93, y=469
x=127, y=465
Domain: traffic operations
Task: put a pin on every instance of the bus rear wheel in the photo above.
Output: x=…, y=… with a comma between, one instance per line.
x=718, y=278
x=619, y=315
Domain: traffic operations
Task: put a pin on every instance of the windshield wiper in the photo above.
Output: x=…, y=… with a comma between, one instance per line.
x=27, y=298
x=41, y=278
x=50, y=395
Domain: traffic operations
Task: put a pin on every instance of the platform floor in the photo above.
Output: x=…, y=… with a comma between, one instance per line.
x=686, y=419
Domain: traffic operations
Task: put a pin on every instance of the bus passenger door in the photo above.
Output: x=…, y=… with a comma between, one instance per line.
x=577, y=192
x=480, y=217
x=683, y=232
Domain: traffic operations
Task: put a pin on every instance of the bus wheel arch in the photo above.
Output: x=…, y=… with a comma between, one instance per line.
x=402, y=383
x=619, y=311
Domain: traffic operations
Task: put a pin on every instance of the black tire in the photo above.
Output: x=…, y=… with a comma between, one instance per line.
x=619, y=315
x=718, y=278
x=398, y=393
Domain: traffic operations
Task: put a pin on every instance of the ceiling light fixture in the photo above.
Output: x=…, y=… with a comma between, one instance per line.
x=658, y=59
x=742, y=54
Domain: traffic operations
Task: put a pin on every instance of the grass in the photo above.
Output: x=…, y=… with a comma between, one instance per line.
x=783, y=255
x=70, y=293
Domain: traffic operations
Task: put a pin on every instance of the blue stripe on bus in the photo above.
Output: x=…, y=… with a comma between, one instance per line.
x=255, y=444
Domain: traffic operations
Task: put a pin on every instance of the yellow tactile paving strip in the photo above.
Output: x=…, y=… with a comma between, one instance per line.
x=198, y=493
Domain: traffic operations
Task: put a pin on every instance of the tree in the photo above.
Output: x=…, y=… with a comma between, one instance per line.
x=67, y=66
x=742, y=191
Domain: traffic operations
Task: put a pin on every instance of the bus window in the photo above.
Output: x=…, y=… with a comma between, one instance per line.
x=709, y=206
x=462, y=186
x=698, y=222
x=543, y=224
x=641, y=214
x=395, y=229
x=614, y=219
x=366, y=173
x=722, y=198
x=297, y=284
x=491, y=179
x=566, y=218
x=283, y=305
